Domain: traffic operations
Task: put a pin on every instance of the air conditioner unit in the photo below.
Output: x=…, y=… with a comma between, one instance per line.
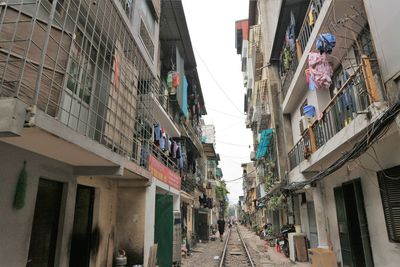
x=304, y=122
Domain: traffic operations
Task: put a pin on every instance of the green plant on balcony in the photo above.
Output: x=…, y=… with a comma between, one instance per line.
x=221, y=193
x=276, y=202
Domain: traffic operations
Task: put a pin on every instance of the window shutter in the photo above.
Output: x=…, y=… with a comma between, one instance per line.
x=389, y=182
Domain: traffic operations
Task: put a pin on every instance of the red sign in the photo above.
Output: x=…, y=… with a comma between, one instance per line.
x=163, y=173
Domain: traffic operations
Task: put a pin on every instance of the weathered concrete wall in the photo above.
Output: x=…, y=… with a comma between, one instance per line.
x=269, y=18
x=385, y=253
x=104, y=218
x=383, y=18
x=131, y=223
x=16, y=225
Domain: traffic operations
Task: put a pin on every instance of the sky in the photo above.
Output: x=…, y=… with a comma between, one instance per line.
x=212, y=32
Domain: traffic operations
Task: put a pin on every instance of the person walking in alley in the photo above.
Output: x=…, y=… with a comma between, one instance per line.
x=221, y=227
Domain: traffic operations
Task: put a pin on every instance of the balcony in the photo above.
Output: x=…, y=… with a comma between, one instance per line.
x=255, y=50
x=357, y=93
x=189, y=183
x=155, y=97
x=78, y=87
x=291, y=53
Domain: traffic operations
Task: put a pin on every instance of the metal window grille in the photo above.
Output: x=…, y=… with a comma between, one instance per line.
x=77, y=61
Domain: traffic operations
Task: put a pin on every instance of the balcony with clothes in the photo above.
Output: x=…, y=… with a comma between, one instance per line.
x=344, y=19
x=295, y=23
x=78, y=88
x=341, y=86
x=357, y=99
x=266, y=161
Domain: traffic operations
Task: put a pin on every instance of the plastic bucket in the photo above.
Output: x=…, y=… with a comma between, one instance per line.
x=309, y=110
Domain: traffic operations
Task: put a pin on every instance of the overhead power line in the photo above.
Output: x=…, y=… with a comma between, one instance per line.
x=217, y=83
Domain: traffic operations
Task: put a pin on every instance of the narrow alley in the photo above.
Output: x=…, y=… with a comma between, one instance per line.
x=209, y=253
x=138, y=133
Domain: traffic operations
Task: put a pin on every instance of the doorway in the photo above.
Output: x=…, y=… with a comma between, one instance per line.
x=82, y=231
x=353, y=226
x=163, y=230
x=201, y=221
x=43, y=242
x=312, y=225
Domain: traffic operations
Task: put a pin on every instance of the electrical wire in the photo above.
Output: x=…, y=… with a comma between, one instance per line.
x=226, y=114
x=241, y=177
x=375, y=131
x=216, y=82
x=231, y=144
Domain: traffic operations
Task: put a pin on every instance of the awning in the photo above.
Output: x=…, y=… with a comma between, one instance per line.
x=265, y=141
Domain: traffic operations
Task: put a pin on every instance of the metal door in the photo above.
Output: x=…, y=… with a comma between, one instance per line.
x=312, y=223
x=163, y=235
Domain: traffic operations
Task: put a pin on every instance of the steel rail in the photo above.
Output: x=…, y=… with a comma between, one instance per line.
x=245, y=248
x=221, y=263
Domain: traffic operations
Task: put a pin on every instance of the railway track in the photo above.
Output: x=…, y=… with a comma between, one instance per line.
x=235, y=251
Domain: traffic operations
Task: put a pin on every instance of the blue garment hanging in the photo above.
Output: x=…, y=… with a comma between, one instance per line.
x=265, y=141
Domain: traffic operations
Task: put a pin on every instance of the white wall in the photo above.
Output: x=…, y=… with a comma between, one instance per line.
x=384, y=18
x=269, y=18
x=16, y=225
x=385, y=253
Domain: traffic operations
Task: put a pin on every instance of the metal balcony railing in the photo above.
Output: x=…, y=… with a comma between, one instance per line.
x=307, y=27
x=188, y=183
x=289, y=65
x=355, y=95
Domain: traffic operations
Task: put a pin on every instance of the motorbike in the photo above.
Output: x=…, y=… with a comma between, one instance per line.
x=283, y=238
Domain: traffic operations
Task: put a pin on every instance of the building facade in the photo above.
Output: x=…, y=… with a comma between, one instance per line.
x=101, y=106
x=337, y=103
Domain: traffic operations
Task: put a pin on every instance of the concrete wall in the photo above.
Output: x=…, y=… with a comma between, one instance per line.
x=16, y=225
x=131, y=223
x=269, y=18
x=383, y=18
x=385, y=253
x=104, y=218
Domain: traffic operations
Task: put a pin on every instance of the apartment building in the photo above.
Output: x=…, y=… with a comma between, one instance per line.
x=95, y=98
x=342, y=168
x=261, y=105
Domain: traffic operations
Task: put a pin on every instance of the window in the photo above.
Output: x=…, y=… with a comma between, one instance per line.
x=59, y=6
x=82, y=68
x=389, y=183
x=128, y=7
x=148, y=17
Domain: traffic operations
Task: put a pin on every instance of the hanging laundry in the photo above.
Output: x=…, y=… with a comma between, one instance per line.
x=311, y=18
x=162, y=139
x=180, y=157
x=310, y=80
x=172, y=82
x=144, y=153
x=325, y=43
x=174, y=154
x=320, y=70
x=291, y=33
x=157, y=134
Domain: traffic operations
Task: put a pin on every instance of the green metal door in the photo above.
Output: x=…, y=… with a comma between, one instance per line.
x=353, y=225
x=363, y=224
x=163, y=234
x=343, y=229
